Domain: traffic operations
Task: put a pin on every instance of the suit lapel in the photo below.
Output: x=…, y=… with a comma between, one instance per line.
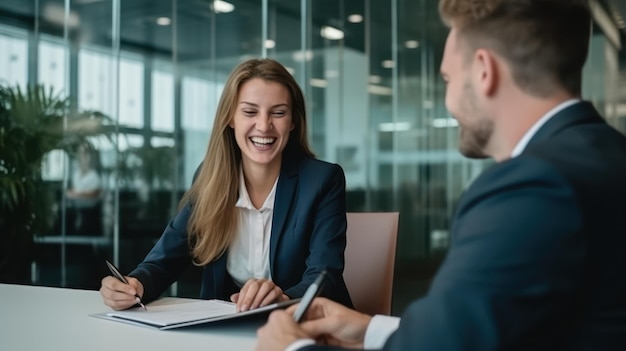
x=285, y=191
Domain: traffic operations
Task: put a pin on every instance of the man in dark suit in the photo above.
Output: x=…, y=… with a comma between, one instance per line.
x=537, y=260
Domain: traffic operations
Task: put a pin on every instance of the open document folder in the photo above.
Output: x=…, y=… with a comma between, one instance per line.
x=170, y=313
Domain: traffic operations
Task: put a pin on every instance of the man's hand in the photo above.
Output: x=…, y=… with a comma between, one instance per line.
x=334, y=324
x=326, y=321
x=279, y=332
x=256, y=293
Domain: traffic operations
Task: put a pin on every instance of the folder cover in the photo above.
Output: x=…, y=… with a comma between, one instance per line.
x=170, y=313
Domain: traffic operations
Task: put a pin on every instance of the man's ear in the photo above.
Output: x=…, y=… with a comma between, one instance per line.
x=486, y=72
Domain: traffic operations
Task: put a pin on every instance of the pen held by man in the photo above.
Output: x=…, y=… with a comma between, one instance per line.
x=312, y=291
x=120, y=296
x=322, y=321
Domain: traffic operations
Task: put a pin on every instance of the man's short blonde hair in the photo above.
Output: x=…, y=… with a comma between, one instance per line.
x=544, y=41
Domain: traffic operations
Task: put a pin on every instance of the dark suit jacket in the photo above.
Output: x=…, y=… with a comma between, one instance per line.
x=538, y=253
x=308, y=235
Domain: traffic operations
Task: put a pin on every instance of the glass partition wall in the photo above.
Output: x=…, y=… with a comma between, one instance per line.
x=154, y=70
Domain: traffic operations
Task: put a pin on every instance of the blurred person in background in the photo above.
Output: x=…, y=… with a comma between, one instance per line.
x=84, y=195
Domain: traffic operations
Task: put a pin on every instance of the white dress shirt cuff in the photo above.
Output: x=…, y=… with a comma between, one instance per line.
x=300, y=343
x=379, y=330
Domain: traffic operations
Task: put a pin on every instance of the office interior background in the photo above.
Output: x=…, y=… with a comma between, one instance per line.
x=153, y=71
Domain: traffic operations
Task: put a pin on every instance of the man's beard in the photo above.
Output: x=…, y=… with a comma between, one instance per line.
x=475, y=135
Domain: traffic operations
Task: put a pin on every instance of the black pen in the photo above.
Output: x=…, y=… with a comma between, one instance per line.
x=311, y=293
x=120, y=277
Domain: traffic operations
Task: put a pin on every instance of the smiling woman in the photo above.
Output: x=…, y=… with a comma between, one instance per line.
x=263, y=216
x=262, y=123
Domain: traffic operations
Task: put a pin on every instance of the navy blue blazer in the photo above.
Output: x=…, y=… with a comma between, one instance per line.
x=538, y=253
x=308, y=235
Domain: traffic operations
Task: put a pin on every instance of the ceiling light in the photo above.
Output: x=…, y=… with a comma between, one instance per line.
x=270, y=44
x=163, y=21
x=55, y=13
x=299, y=56
x=379, y=90
x=331, y=33
x=375, y=79
x=220, y=6
x=445, y=122
x=291, y=70
x=387, y=64
x=411, y=44
x=318, y=83
x=394, y=126
x=331, y=73
x=355, y=18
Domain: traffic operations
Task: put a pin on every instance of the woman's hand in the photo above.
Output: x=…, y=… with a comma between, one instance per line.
x=120, y=296
x=256, y=293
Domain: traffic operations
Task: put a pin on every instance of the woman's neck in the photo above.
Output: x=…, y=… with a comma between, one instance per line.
x=259, y=182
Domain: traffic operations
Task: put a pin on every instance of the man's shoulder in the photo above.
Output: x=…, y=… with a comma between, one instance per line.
x=584, y=143
x=586, y=154
x=528, y=176
x=521, y=170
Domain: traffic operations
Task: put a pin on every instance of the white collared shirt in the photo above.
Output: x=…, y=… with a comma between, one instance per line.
x=248, y=255
x=523, y=142
x=379, y=330
x=84, y=182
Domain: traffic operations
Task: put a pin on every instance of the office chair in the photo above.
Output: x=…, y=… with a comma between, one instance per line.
x=370, y=259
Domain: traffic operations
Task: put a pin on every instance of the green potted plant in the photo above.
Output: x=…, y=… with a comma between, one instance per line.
x=33, y=122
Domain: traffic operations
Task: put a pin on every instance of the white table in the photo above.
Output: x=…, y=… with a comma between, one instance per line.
x=43, y=318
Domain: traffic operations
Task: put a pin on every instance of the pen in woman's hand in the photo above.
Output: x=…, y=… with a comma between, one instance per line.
x=116, y=273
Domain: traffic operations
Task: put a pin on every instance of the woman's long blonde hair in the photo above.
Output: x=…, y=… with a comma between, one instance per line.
x=212, y=197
